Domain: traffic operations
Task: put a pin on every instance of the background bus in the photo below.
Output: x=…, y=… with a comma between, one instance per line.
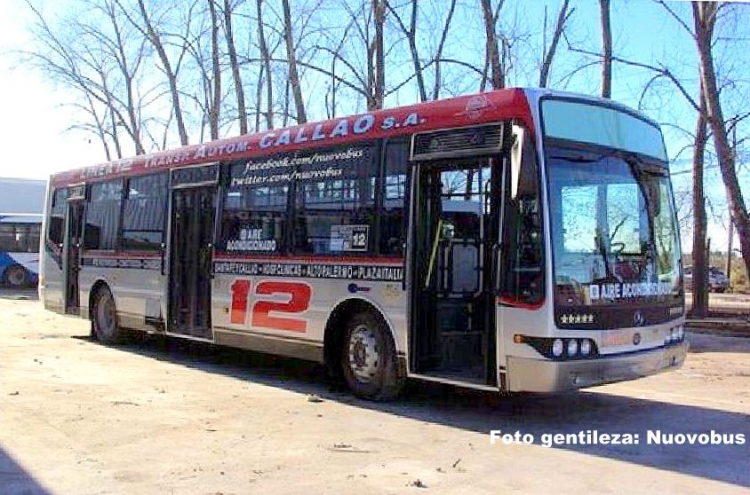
x=21, y=213
x=516, y=240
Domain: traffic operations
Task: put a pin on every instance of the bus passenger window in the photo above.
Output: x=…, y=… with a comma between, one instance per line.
x=55, y=231
x=395, y=190
x=102, y=215
x=145, y=212
x=335, y=202
x=254, y=218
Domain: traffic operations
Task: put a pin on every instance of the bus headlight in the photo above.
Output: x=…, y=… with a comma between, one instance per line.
x=585, y=347
x=563, y=348
x=675, y=335
x=572, y=347
x=557, y=347
x=681, y=332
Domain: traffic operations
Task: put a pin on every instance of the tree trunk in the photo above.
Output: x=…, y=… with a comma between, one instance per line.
x=378, y=89
x=700, y=265
x=497, y=77
x=562, y=16
x=606, y=50
x=439, y=52
x=704, y=14
x=266, y=56
x=291, y=56
x=214, y=112
x=239, y=91
x=171, y=76
x=411, y=38
x=128, y=77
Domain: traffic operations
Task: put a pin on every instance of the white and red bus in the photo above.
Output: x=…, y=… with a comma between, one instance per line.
x=516, y=240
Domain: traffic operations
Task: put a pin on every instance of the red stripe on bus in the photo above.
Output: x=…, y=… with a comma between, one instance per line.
x=493, y=106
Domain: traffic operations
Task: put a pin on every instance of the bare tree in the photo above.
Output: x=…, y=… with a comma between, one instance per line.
x=700, y=265
x=606, y=50
x=497, y=77
x=411, y=37
x=294, y=81
x=439, y=52
x=549, y=56
x=704, y=16
x=96, y=61
x=376, y=65
x=235, y=65
x=127, y=68
x=265, y=55
x=214, y=111
x=169, y=73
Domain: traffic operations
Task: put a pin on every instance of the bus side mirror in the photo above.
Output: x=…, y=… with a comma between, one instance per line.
x=516, y=158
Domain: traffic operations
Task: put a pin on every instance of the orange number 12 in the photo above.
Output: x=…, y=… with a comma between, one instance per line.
x=299, y=301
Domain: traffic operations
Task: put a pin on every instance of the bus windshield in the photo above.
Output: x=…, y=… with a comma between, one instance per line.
x=614, y=234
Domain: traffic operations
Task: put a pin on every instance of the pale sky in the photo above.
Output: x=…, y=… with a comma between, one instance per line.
x=34, y=121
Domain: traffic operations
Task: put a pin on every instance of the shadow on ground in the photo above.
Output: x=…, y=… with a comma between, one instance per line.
x=14, y=479
x=538, y=415
x=706, y=342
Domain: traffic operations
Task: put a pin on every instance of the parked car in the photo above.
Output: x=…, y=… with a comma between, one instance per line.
x=717, y=280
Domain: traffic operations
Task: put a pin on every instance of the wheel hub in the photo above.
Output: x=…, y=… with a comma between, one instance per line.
x=364, y=354
x=16, y=276
x=106, y=316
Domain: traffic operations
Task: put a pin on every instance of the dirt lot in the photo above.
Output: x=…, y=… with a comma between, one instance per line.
x=167, y=417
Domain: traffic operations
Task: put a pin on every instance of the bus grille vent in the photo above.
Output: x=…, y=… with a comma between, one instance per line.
x=478, y=140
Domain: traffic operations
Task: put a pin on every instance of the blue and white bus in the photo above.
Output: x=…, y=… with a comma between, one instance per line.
x=21, y=213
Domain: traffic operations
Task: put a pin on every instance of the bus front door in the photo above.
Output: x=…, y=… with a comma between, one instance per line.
x=452, y=318
x=72, y=255
x=193, y=212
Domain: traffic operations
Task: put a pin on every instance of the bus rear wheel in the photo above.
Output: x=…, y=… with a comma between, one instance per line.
x=369, y=360
x=105, y=326
x=16, y=276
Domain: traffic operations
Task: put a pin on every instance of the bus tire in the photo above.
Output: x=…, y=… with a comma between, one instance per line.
x=16, y=276
x=368, y=359
x=105, y=326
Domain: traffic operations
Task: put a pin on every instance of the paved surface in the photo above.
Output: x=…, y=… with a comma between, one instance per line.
x=167, y=417
x=733, y=303
x=729, y=315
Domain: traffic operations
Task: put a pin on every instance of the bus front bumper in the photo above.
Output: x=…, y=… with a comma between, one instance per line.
x=537, y=375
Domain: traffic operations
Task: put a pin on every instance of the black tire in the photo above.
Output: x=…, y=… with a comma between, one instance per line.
x=16, y=276
x=368, y=359
x=106, y=329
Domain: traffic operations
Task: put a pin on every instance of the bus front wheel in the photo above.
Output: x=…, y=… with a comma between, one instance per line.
x=16, y=276
x=105, y=326
x=369, y=359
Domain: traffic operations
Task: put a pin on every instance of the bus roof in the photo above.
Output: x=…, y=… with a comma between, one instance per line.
x=441, y=114
x=22, y=200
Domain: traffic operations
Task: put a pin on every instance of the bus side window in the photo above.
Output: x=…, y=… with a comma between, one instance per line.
x=103, y=215
x=145, y=212
x=335, y=203
x=523, y=260
x=254, y=219
x=395, y=190
x=57, y=217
